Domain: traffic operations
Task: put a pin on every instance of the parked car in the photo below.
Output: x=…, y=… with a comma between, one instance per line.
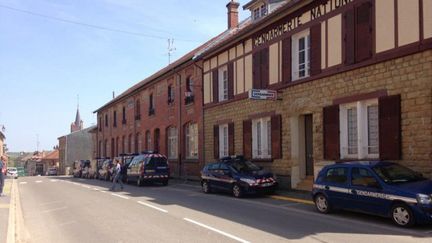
x=52, y=171
x=12, y=172
x=238, y=176
x=21, y=171
x=105, y=172
x=80, y=168
x=379, y=188
x=148, y=167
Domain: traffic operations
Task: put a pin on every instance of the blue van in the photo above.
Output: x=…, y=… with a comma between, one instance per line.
x=380, y=188
x=238, y=176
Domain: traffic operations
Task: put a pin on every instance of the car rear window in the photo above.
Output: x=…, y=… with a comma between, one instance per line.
x=336, y=175
x=154, y=162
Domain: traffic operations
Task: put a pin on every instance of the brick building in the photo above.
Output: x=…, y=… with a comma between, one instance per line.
x=354, y=81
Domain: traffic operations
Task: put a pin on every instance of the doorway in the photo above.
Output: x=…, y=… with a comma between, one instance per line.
x=308, y=125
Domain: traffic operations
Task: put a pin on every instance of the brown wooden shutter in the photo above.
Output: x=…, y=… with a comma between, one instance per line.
x=247, y=139
x=256, y=72
x=276, y=136
x=390, y=127
x=349, y=36
x=230, y=80
x=315, y=49
x=331, y=132
x=286, y=60
x=231, y=139
x=215, y=86
x=216, y=141
x=265, y=68
x=363, y=32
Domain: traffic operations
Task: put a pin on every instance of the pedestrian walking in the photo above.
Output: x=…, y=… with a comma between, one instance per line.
x=2, y=175
x=117, y=176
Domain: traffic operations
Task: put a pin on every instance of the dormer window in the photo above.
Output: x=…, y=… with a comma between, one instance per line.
x=263, y=10
x=260, y=11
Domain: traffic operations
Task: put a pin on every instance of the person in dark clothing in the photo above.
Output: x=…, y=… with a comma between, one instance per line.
x=2, y=175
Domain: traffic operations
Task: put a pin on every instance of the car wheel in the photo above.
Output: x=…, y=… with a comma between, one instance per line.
x=322, y=204
x=237, y=191
x=206, y=187
x=402, y=215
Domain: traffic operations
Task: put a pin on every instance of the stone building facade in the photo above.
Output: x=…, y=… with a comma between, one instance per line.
x=354, y=82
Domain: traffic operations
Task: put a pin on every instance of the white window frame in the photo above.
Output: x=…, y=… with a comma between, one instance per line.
x=191, y=136
x=261, y=138
x=223, y=141
x=223, y=83
x=362, y=130
x=172, y=143
x=296, y=53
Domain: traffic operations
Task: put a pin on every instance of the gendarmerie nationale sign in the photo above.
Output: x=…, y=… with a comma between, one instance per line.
x=294, y=22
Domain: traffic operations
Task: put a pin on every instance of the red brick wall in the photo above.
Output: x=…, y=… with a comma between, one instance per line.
x=165, y=116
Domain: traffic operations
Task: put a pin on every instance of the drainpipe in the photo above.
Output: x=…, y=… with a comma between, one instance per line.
x=202, y=112
x=180, y=128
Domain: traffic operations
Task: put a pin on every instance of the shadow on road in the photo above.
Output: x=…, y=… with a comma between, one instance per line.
x=287, y=220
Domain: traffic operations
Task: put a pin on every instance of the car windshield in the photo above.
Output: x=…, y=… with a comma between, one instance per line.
x=244, y=166
x=12, y=169
x=394, y=173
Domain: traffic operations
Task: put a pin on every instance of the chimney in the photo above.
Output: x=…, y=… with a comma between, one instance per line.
x=233, y=20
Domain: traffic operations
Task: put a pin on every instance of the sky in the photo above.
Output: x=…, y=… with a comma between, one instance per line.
x=52, y=51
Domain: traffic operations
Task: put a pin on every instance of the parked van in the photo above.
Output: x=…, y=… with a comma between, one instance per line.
x=148, y=167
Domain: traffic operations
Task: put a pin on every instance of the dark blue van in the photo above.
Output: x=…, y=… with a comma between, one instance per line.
x=148, y=167
x=380, y=188
x=238, y=176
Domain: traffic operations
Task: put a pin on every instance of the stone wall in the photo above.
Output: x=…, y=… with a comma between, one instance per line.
x=409, y=76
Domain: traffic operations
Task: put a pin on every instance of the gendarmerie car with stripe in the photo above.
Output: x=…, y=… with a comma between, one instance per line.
x=148, y=167
x=238, y=176
x=380, y=188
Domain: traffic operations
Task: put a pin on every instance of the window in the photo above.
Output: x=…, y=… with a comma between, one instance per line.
x=256, y=13
x=124, y=115
x=191, y=136
x=138, y=143
x=261, y=138
x=115, y=119
x=363, y=177
x=123, y=144
x=137, y=110
x=151, y=105
x=148, y=141
x=172, y=142
x=301, y=55
x=359, y=135
x=223, y=141
x=263, y=10
x=189, y=96
x=106, y=120
x=336, y=175
x=170, y=94
x=223, y=83
x=100, y=124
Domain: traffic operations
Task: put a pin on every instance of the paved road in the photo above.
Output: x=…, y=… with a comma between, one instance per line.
x=75, y=210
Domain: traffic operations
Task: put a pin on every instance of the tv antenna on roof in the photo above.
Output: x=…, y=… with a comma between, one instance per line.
x=171, y=49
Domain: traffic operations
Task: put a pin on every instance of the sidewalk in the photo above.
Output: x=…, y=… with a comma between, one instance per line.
x=286, y=195
x=4, y=210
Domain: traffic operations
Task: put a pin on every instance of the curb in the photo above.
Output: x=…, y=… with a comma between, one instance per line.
x=291, y=199
x=12, y=224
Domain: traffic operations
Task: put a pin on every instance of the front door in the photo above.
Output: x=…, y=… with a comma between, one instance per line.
x=39, y=169
x=309, y=145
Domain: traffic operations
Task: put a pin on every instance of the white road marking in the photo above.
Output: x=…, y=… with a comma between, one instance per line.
x=120, y=196
x=103, y=191
x=86, y=186
x=151, y=206
x=38, y=181
x=76, y=184
x=96, y=189
x=23, y=182
x=217, y=231
x=54, y=209
x=53, y=180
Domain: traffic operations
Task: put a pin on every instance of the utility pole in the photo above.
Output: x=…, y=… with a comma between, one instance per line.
x=171, y=49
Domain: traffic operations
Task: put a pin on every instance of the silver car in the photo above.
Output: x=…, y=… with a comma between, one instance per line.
x=12, y=172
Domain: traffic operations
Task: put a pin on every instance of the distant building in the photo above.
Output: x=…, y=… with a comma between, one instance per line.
x=77, y=145
x=40, y=162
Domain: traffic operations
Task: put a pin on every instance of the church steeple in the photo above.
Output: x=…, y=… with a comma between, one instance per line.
x=78, y=124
